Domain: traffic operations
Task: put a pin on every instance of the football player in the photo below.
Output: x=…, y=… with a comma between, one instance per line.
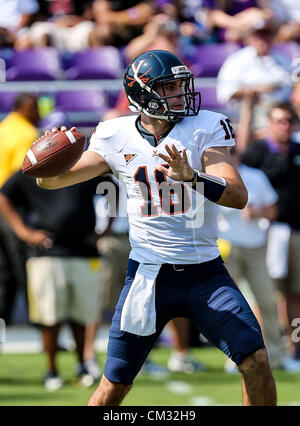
x=175, y=163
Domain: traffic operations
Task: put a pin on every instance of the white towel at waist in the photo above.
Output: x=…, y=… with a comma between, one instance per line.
x=138, y=313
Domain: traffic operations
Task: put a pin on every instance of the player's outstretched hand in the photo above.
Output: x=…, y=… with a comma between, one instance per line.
x=55, y=129
x=179, y=168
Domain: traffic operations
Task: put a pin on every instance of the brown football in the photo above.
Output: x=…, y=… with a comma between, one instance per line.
x=54, y=154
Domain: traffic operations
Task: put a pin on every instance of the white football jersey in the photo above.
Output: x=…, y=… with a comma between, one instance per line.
x=169, y=221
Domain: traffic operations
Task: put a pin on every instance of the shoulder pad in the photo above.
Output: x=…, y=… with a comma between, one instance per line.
x=110, y=136
x=201, y=125
x=106, y=129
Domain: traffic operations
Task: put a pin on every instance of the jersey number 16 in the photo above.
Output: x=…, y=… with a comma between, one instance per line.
x=174, y=197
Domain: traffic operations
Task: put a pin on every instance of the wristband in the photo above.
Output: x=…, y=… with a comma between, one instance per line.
x=214, y=186
x=195, y=174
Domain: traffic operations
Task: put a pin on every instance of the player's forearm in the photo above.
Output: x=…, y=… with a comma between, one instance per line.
x=235, y=194
x=89, y=166
x=226, y=192
x=69, y=178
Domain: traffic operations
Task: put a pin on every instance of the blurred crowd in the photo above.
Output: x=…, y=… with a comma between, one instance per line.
x=258, y=80
x=75, y=25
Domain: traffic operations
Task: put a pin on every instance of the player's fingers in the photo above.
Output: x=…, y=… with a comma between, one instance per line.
x=170, y=152
x=161, y=168
x=54, y=129
x=47, y=132
x=164, y=157
x=176, y=152
x=64, y=129
x=184, y=156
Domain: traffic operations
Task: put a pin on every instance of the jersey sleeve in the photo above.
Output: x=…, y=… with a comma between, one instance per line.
x=221, y=134
x=97, y=142
x=111, y=135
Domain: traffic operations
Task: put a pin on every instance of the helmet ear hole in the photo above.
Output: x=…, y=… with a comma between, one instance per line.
x=153, y=105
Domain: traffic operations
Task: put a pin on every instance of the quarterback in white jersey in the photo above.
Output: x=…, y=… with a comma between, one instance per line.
x=176, y=165
x=162, y=234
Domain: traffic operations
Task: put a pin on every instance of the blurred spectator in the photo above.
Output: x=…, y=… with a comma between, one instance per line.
x=77, y=8
x=278, y=156
x=295, y=101
x=180, y=360
x=233, y=17
x=256, y=70
x=287, y=14
x=193, y=24
x=63, y=267
x=17, y=133
x=160, y=33
x=119, y=21
x=246, y=230
x=69, y=28
x=15, y=15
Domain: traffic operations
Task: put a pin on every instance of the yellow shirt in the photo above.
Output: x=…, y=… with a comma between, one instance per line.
x=16, y=136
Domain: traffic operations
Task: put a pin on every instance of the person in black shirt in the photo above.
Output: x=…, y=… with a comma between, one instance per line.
x=278, y=155
x=63, y=267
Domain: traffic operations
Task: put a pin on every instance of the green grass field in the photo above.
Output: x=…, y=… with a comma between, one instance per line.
x=21, y=383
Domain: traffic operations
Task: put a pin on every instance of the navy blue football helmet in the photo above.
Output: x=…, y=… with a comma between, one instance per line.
x=159, y=66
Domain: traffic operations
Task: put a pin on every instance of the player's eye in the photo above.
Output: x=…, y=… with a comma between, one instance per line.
x=170, y=87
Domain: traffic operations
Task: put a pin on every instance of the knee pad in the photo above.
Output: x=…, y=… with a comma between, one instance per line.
x=119, y=371
x=246, y=343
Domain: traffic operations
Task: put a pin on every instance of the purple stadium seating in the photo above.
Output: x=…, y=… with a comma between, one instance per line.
x=82, y=107
x=103, y=63
x=7, y=101
x=209, y=99
x=7, y=55
x=30, y=65
x=208, y=58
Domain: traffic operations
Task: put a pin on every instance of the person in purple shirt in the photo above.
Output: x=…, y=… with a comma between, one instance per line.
x=232, y=17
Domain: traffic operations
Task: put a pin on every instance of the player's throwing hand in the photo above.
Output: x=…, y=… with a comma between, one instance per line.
x=179, y=168
x=63, y=129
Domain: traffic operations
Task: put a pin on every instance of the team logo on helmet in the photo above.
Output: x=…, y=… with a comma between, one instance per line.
x=135, y=70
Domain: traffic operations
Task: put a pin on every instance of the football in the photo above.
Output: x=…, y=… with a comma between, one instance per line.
x=53, y=154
